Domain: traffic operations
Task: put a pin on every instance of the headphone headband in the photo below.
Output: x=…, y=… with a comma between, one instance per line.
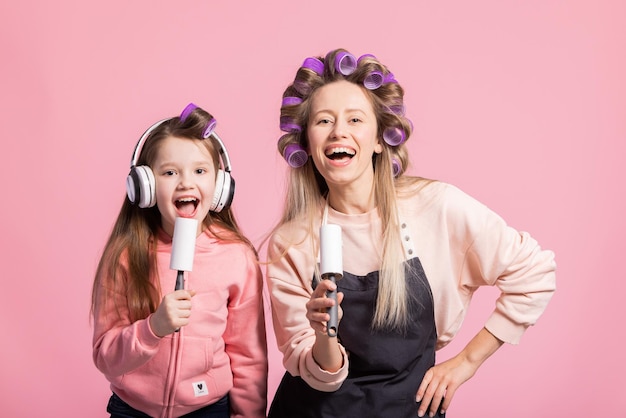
x=222, y=151
x=142, y=140
x=221, y=147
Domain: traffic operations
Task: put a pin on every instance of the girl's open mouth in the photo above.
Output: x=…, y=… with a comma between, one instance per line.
x=186, y=207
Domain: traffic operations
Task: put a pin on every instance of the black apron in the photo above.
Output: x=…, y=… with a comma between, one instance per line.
x=386, y=368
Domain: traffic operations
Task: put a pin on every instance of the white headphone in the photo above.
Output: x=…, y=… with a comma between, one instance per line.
x=141, y=185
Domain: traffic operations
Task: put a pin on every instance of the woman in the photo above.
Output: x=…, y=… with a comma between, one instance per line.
x=414, y=251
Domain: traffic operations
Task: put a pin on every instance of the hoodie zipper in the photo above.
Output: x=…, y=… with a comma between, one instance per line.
x=173, y=372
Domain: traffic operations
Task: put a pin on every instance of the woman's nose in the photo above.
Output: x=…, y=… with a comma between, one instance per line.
x=339, y=130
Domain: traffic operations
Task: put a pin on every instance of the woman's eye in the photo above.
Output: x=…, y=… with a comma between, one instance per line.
x=355, y=120
x=323, y=121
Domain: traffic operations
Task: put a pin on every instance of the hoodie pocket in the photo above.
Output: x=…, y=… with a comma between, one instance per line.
x=196, y=384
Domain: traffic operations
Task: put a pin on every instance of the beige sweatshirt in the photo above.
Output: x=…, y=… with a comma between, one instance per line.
x=461, y=244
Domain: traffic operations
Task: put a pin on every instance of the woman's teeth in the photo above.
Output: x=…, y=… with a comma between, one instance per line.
x=340, y=152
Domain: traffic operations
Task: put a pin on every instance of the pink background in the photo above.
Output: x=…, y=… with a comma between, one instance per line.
x=519, y=103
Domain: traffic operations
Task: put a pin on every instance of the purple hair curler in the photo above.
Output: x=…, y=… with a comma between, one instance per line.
x=394, y=136
x=314, y=64
x=287, y=124
x=302, y=87
x=295, y=155
x=390, y=78
x=373, y=80
x=396, y=167
x=291, y=101
x=397, y=109
x=210, y=127
x=187, y=111
x=345, y=63
x=365, y=56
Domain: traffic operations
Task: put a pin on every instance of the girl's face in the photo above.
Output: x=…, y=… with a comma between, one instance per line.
x=185, y=181
x=342, y=132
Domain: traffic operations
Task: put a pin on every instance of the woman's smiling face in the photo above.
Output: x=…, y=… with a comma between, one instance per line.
x=343, y=135
x=185, y=181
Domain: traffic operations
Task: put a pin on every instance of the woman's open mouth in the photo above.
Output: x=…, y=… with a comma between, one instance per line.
x=340, y=153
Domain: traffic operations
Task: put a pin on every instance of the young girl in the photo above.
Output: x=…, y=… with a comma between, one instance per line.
x=199, y=351
x=414, y=251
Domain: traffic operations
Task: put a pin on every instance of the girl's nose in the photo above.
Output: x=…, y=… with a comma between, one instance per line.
x=184, y=181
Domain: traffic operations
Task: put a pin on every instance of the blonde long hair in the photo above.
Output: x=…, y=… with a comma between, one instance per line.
x=134, y=234
x=306, y=186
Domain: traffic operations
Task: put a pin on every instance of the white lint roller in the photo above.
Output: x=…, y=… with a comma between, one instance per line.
x=331, y=267
x=183, y=247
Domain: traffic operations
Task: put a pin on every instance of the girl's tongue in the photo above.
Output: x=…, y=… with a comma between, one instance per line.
x=186, y=208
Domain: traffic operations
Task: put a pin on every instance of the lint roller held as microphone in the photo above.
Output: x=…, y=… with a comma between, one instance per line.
x=331, y=268
x=183, y=248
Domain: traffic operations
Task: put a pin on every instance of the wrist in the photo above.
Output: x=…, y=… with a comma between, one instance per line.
x=480, y=348
x=153, y=327
x=326, y=352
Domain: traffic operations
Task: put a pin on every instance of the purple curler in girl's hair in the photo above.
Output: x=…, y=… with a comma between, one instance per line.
x=295, y=155
x=396, y=167
x=314, y=64
x=373, y=80
x=187, y=111
x=345, y=63
x=210, y=127
x=291, y=101
x=289, y=125
x=394, y=136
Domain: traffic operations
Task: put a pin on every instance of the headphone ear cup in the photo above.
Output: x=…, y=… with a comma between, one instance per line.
x=224, y=191
x=141, y=186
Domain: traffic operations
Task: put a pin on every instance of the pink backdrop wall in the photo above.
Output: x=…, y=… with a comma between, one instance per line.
x=520, y=103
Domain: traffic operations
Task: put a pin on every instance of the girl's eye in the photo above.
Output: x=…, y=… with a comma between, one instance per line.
x=169, y=173
x=200, y=170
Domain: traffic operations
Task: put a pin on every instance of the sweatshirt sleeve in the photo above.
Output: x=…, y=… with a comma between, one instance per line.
x=120, y=346
x=245, y=341
x=513, y=261
x=289, y=275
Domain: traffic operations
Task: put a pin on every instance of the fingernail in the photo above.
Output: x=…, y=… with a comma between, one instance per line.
x=420, y=413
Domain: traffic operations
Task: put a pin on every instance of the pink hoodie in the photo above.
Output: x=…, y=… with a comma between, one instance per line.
x=222, y=350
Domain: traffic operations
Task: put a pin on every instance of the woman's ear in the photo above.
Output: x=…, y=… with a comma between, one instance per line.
x=378, y=148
